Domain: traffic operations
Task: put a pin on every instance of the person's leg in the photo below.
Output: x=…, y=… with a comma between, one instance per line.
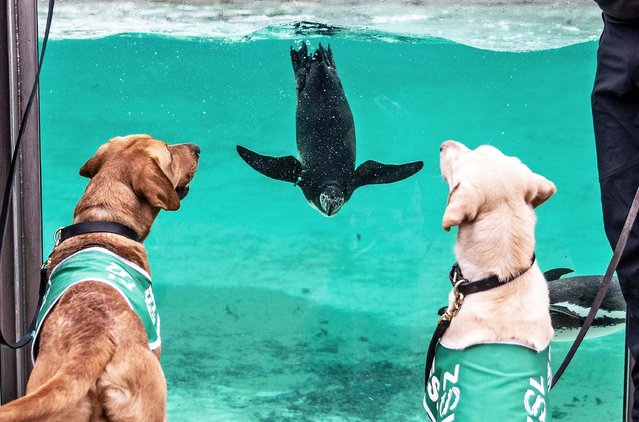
x=617, y=192
x=615, y=108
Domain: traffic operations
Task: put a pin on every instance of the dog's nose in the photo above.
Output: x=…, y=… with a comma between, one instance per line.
x=195, y=148
x=447, y=144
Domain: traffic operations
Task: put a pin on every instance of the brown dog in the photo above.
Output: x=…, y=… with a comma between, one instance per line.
x=94, y=361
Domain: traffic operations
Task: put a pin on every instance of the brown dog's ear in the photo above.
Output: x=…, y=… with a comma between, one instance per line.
x=539, y=190
x=91, y=167
x=463, y=205
x=151, y=183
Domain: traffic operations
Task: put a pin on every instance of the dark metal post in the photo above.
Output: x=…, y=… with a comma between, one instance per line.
x=22, y=249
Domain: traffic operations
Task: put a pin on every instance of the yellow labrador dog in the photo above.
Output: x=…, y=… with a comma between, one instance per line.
x=98, y=325
x=492, y=360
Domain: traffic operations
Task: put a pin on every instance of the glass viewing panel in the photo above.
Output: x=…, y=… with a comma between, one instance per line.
x=271, y=311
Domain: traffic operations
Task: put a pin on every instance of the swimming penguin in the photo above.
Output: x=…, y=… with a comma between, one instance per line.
x=325, y=140
x=570, y=301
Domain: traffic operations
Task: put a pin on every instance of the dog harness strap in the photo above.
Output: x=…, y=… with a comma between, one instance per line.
x=96, y=227
x=100, y=265
x=61, y=235
x=488, y=382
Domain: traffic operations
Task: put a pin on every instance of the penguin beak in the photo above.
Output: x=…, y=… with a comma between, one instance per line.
x=331, y=200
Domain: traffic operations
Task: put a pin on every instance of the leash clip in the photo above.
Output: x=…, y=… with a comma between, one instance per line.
x=45, y=264
x=452, y=310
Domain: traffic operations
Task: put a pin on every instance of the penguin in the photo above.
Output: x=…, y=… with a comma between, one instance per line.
x=325, y=130
x=570, y=301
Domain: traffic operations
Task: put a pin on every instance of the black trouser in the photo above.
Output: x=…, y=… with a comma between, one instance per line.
x=615, y=110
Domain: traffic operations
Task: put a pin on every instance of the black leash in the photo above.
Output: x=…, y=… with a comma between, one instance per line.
x=601, y=293
x=61, y=235
x=7, y=190
x=461, y=289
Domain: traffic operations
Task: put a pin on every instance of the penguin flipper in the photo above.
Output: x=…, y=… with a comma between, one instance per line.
x=562, y=310
x=556, y=273
x=374, y=173
x=287, y=169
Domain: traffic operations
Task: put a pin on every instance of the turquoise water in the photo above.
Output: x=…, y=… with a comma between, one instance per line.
x=271, y=312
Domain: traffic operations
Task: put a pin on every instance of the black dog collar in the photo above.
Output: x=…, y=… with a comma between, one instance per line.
x=467, y=287
x=65, y=233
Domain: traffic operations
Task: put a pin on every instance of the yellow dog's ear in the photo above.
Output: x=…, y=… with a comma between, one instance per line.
x=463, y=205
x=539, y=189
x=152, y=184
x=93, y=165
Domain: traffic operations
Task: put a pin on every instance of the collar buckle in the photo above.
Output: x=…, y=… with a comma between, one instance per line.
x=57, y=235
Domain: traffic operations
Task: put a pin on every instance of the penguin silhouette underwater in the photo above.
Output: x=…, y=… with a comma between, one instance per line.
x=571, y=299
x=325, y=129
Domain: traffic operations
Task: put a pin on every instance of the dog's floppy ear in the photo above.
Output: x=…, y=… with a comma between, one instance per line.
x=93, y=165
x=463, y=205
x=151, y=183
x=539, y=189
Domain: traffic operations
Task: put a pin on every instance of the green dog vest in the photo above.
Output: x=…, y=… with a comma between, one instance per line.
x=101, y=265
x=487, y=383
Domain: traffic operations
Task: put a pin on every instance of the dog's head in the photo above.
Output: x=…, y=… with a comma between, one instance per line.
x=483, y=179
x=157, y=173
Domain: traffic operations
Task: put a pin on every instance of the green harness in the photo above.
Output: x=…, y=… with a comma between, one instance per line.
x=101, y=265
x=489, y=382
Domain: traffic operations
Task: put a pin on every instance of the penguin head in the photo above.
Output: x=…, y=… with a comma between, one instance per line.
x=331, y=199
